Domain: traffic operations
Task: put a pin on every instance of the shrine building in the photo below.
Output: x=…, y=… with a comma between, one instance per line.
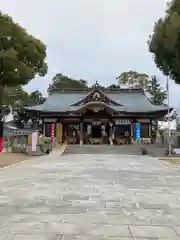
x=97, y=115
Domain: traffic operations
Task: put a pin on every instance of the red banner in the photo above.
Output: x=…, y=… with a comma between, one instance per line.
x=52, y=134
x=1, y=144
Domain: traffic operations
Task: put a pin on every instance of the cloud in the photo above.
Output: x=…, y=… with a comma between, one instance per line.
x=91, y=39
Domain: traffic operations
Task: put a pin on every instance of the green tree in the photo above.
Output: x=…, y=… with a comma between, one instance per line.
x=17, y=99
x=22, y=57
x=157, y=94
x=60, y=81
x=113, y=86
x=14, y=99
x=14, y=96
x=133, y=79
x=164, y=43
x=36, y=98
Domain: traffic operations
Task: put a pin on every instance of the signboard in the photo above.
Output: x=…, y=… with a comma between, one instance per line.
x=143, y=120
x=177, y=151
x=173, y=133
x=96, y=123
x=138, y=131
x=122, y=122
x=50, y=120
x=20, y=133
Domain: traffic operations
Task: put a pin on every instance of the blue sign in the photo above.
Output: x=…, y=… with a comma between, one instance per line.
x=138, y=132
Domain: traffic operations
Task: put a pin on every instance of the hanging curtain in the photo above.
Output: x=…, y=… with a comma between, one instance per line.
x=89, y=129
x=103, y=130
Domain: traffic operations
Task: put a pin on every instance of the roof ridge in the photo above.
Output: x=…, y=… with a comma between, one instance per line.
x=125, y=90
x=105, y=90
x=68, y=90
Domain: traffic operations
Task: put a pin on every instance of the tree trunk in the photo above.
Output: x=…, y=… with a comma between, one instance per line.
x=1, y=117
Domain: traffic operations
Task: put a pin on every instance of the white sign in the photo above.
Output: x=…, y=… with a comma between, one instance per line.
x=122, y=122
x=34, y=141
x=50, y=120
x=173, y=133
x=96, y=123
x=20, y=133
x=177, y=151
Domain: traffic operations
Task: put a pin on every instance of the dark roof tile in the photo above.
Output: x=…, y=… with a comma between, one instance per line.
x=133, y=100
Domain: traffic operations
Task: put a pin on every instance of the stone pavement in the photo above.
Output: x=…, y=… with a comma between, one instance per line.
x=90, y=197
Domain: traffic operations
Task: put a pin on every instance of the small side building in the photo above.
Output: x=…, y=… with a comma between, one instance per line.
x=98, y=116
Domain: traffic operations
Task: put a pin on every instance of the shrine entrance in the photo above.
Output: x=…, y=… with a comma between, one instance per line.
x=96, y=132
x=96, y=126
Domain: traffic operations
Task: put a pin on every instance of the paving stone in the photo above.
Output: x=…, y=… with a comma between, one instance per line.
x=153, y=206
x=34, y=237
x=110, y=231
x=70, y=197
x=92, y=196
x=40, y=227
x=6, y=236
x=90, y=237
x=153, y=231
x=58, y=237
x=177, y=229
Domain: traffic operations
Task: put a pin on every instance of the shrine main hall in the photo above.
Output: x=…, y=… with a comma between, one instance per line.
x=98, y=115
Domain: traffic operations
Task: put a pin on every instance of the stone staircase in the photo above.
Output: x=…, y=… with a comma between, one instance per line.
x=103, y=149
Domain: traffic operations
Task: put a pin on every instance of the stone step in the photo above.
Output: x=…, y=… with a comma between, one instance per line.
x=103, y=149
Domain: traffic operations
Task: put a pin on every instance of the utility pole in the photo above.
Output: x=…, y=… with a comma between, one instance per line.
x=169, y=123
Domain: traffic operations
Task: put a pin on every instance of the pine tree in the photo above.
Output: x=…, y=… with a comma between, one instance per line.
x=157, y=94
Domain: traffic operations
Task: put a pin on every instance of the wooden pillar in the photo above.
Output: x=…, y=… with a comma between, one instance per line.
x=150, y=130
x=59, y=132
x=131, y=134
x=134, y=130
x=47, y=131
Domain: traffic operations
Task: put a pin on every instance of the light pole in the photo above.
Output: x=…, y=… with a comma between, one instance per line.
x=169, y=125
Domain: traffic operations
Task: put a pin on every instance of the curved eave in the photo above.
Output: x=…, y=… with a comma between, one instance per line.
x=95, y=104
x=36, y=108
x=69, y=110
x=155, y=114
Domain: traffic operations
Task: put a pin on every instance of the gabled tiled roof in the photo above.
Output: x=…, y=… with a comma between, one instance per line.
x=132, y=100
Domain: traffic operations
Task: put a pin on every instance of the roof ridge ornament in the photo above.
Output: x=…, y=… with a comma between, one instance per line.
x=96, y=85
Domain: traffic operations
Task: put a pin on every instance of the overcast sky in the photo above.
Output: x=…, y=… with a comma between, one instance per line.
x=91, y=39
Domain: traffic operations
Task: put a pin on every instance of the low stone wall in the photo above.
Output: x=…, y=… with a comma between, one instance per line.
x=38, y=151
x=153, y=150
x=18, y=148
